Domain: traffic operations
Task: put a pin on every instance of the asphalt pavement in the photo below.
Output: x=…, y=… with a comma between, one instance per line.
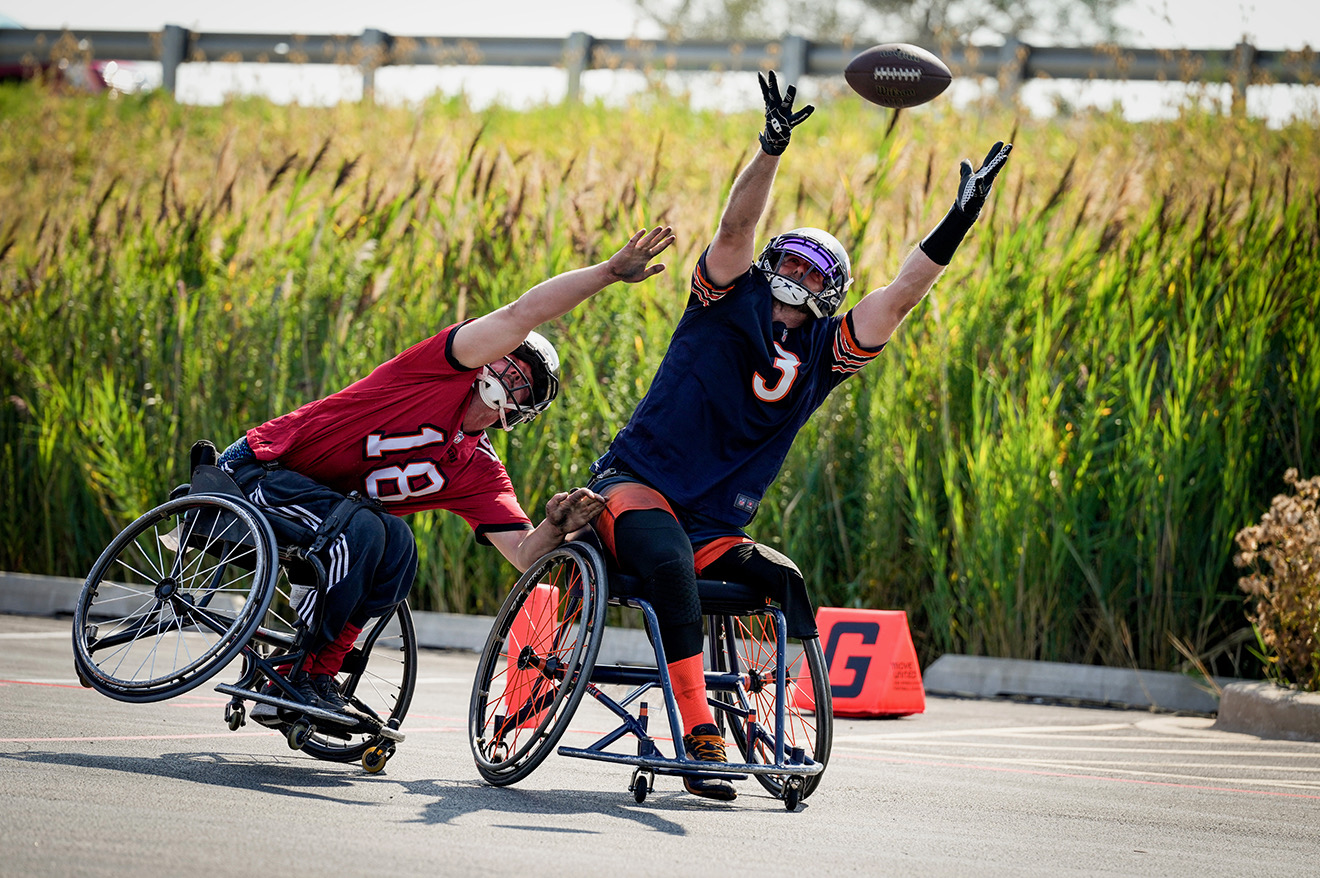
x=91, y=786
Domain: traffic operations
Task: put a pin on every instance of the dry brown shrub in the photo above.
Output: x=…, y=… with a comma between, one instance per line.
x=1282, y=557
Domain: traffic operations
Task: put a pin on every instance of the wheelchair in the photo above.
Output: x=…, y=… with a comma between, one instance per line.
x=200, y=581
x=539, y=661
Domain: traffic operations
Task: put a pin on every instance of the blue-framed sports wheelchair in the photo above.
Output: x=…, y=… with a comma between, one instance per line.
x=199, y=582
x=540, y=660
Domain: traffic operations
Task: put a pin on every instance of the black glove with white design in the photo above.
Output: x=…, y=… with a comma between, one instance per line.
x=780, y=120
x=973, y=189
x=975, y=186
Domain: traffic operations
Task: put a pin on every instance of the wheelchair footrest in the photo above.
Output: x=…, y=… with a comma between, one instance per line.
x=688, y=767
x=348, y=721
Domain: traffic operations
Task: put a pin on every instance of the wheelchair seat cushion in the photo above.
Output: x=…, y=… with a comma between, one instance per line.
x=717, y=595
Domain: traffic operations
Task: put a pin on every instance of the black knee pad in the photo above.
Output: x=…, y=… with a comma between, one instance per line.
x=672, y=591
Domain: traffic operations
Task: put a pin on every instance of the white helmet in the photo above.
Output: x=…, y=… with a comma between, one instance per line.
x=500, y=390
x=826, y=256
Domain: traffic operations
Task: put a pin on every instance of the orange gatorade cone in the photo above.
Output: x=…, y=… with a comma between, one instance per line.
x=528, y=692
x=872, y=664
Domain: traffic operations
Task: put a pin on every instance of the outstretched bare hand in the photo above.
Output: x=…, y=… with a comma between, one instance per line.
x=573, y=511
x=631, y=263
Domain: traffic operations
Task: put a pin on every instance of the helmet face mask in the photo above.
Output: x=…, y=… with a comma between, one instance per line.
x=828, y=263
x=532, y=371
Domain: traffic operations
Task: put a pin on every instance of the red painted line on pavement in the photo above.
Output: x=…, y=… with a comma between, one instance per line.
x=1150, y=783
x=193, y=737
x=30, y=683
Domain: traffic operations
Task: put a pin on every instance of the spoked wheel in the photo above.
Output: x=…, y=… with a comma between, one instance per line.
x=174, y=598
x=747, y=645
x=378, y=678
x=537, y=662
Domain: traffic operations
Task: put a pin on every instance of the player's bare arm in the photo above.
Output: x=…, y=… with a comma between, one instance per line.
x=565, y=512
x=734, y=245
x=880, y=312
x=493, y=335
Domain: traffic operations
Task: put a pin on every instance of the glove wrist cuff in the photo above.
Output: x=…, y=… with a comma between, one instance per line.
x=944, y=239
x=771, y=149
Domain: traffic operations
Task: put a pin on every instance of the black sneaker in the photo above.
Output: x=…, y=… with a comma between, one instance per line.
x=706, y=744
x=327, y=689
x=267, y=714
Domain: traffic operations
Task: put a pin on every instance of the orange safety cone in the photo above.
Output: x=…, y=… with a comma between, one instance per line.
x=872, y=664
x=528, y=693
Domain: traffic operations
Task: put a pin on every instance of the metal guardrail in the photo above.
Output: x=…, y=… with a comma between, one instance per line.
x=1012, y=63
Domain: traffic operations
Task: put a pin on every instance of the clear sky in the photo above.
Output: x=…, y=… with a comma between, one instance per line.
x=1198, y=24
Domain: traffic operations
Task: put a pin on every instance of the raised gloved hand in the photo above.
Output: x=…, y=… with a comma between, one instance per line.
x=780, y=120
x=973, y=188
x=975, y=185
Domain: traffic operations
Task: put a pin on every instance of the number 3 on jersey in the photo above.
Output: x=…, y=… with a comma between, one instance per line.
x=787, y=364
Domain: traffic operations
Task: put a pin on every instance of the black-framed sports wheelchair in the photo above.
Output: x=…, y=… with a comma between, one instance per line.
x=199, y=582
x=540, y=660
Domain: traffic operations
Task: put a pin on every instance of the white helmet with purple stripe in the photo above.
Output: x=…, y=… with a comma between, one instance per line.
x=827, y=258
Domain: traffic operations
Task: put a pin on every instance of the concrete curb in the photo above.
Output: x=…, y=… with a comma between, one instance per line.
x=1261, y=709
x=1269, y=711
x=1121, y=687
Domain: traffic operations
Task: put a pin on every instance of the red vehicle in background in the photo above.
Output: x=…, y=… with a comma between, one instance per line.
x=89, y=76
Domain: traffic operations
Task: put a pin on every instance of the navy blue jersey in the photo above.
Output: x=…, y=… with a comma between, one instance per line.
x=730, y=395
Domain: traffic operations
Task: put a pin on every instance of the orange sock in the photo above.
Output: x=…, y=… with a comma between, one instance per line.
x=688, y=677
x=330, y=658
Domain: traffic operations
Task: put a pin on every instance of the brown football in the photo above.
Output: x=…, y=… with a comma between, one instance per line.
x=897, y=75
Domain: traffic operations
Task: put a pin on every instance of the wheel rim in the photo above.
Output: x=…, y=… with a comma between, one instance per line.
x=544, y=641
x=751, y=649
x=169, y=603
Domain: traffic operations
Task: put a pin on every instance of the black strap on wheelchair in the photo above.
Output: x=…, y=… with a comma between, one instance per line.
x=333, y=524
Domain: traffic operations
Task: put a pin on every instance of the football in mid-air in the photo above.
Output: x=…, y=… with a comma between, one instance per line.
x=897, y=75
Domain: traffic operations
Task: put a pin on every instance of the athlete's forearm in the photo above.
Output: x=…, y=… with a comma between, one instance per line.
x=734, y=245
x=541, y=539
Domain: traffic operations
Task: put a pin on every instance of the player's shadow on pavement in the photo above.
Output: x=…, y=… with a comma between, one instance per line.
x=450, y=800
x=523, y=806
x=261, y=774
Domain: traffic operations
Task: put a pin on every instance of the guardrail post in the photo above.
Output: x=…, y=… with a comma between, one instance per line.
x=1244, y=68
x=577, y=58
x=1013, y=57
x=375, y=49
x=793, y=60
x=173, y=52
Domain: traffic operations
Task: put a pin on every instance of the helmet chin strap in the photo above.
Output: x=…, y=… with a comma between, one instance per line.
x=492, y=394
x=790, y=292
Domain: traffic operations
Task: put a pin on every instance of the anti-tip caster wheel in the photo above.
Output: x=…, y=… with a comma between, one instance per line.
x=792, y=793
x=373, y=761
x=640, y=786
x=298, y=734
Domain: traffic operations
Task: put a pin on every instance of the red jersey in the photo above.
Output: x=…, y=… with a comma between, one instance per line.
x=395, y=436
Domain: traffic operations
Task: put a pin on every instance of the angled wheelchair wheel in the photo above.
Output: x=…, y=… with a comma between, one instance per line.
x=747, y=644
x=537, y=662
x=174, y=598
x=378, y=678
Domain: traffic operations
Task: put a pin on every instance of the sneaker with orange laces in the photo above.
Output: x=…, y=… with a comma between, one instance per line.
x=706, y=744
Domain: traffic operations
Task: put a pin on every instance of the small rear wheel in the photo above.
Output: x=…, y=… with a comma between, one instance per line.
x=174, y=598
x=641, y=785
x=792, y=793
x=537, y=662
x=298, y=734
x=374, y=759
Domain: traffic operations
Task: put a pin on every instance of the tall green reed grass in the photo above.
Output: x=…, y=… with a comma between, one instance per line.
x=1049, y=461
